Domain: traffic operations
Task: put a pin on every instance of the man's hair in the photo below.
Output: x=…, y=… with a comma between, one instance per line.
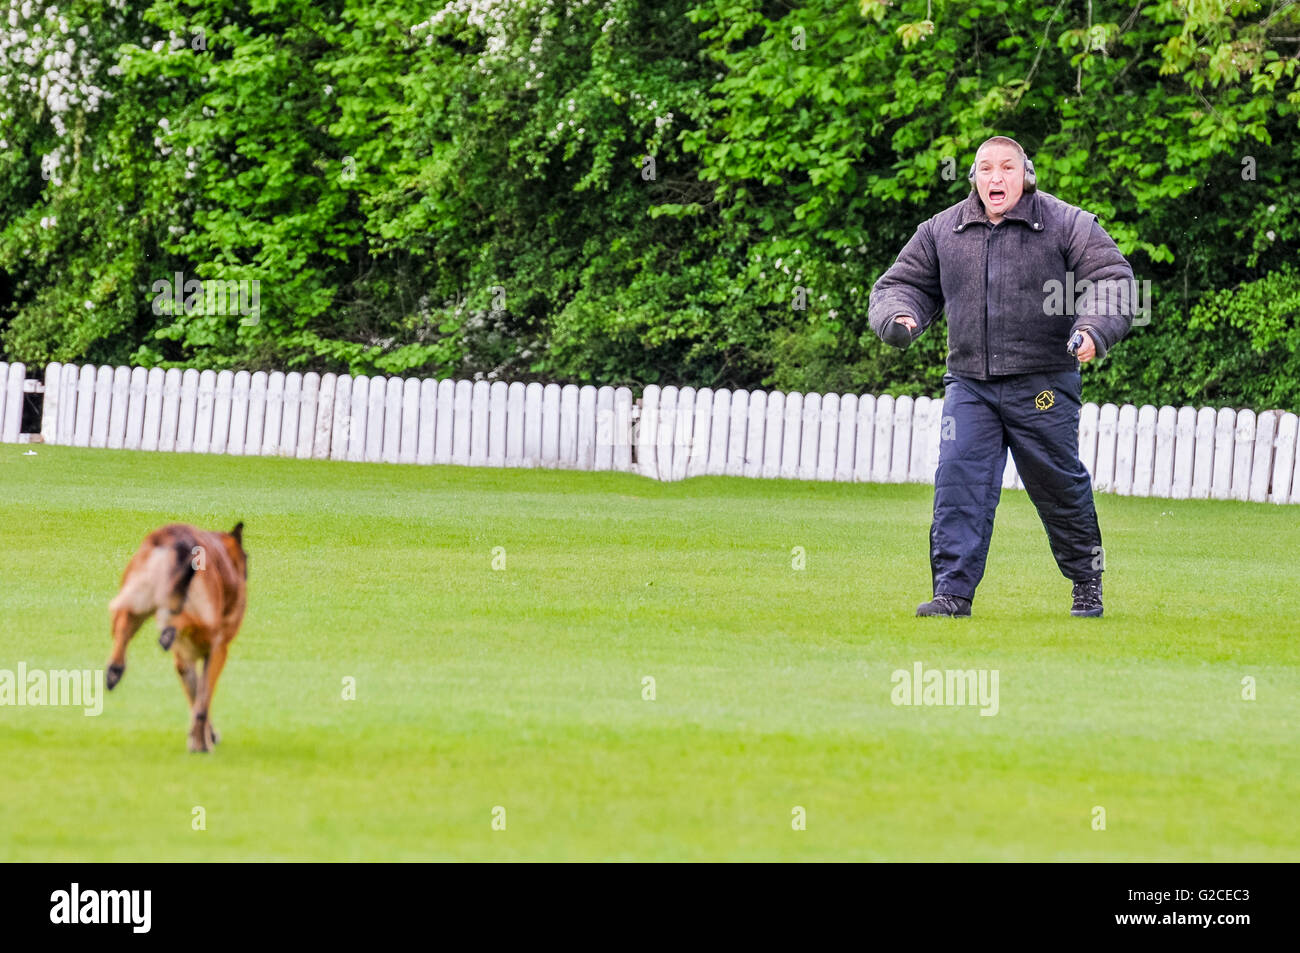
x=1002, y=141
x=1031, y=178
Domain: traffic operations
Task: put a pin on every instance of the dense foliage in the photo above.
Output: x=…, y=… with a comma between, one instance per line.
x=628, y=191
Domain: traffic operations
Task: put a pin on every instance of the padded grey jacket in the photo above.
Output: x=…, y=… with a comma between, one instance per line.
x=1014, y=292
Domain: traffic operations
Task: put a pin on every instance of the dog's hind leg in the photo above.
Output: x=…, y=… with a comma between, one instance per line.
x=188, y=671
x=202, y=735
x=125, y=624
x=185, y=668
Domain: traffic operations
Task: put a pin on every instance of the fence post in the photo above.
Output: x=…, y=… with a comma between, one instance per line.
x=50, y=406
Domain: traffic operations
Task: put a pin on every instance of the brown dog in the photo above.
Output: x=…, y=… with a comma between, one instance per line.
x=196, y=581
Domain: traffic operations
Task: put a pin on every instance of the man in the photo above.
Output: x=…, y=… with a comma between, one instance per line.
x=1001, y=264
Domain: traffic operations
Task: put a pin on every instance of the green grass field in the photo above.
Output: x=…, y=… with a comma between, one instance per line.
x=522, y=688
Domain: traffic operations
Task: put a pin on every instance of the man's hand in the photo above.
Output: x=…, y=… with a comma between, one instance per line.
x=1087, y=350
x=898, y=332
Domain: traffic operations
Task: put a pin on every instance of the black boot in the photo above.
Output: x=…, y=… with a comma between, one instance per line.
x=1087, y=597
x=944, y=604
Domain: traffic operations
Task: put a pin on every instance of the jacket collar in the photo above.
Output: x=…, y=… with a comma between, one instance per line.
x=1026, y=211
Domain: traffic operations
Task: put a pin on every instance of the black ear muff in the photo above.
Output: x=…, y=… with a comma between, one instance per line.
x=971, y=174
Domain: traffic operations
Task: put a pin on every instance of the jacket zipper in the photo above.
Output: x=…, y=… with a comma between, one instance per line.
x=988, y=236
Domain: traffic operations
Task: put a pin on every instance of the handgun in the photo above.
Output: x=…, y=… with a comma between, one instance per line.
x=1076, y=342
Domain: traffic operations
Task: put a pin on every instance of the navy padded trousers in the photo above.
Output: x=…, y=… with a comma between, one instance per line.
x=1037, y=417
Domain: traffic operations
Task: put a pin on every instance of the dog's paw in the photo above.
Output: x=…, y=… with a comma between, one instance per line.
x=203, y=737
x=167, y=637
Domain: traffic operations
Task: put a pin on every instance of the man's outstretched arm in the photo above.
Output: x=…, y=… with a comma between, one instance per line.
x=1106, y=312
x=910, y=287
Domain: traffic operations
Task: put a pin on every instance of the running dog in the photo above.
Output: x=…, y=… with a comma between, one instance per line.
x=196, y=581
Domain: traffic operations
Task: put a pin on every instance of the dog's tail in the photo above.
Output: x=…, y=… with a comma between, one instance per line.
x=178, y=585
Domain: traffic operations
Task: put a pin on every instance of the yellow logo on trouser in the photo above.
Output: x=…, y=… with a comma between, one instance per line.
x=1045, y=400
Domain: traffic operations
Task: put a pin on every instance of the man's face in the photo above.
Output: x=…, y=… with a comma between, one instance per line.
x=999, y=179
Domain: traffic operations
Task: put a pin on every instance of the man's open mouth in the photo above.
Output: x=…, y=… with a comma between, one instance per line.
x=997, y=195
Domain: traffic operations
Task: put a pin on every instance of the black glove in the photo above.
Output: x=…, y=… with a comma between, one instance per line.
x=897, y=335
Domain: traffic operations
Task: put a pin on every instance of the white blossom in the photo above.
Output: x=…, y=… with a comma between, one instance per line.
x=58, y=70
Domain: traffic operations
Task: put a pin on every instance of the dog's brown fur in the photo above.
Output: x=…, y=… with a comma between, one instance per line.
x=196, y=582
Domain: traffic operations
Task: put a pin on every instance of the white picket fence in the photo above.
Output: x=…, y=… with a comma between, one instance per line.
x=669, y=433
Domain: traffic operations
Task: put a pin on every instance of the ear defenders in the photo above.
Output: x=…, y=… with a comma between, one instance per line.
x=1031, y=177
